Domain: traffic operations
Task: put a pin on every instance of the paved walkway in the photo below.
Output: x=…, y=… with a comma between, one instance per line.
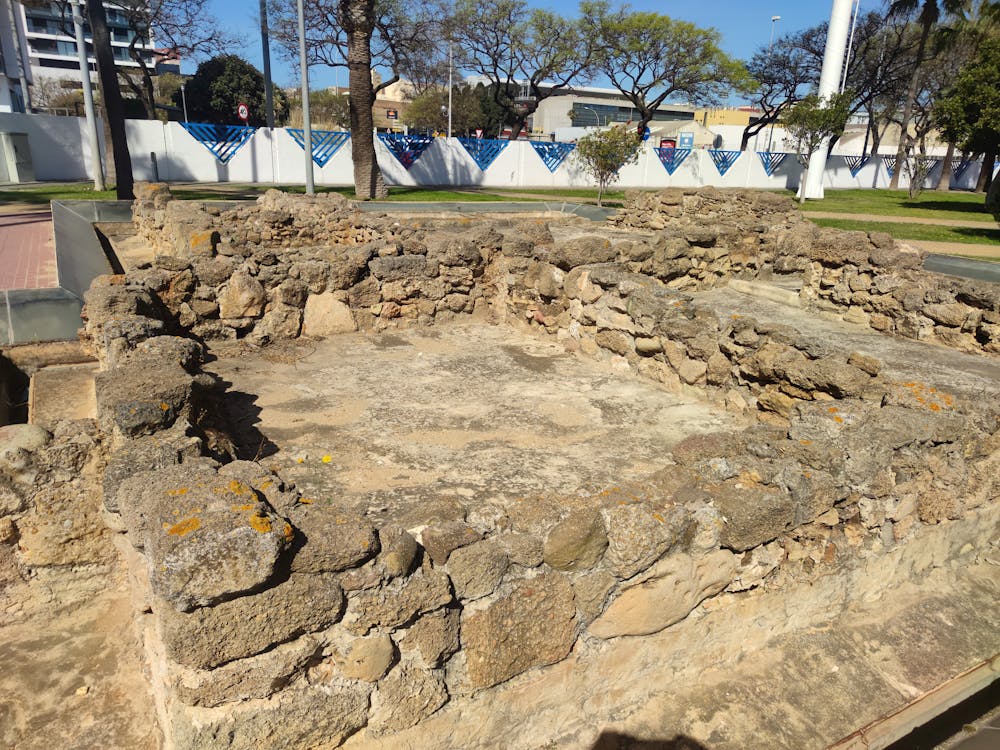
x=989, y=224
x=27, y=251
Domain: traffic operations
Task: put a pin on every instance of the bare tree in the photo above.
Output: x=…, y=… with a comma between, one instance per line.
x=111, y=94
x=780, y=73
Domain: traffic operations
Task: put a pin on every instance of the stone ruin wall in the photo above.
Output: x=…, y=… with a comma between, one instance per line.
x=275, y=617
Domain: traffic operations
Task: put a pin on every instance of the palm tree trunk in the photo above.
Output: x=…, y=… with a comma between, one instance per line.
x=944, y=181
x=112, y=96
x=359, y=20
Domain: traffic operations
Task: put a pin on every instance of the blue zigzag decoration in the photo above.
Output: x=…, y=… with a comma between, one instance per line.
x=406, y=148
x=962, y=166
x=771, y=160
x=890, y=164
x=856, y=163
x=222, y=140
x=483, y=150
x=724, y=159
x=671, y=158
x=552, y=154
x=325, y=143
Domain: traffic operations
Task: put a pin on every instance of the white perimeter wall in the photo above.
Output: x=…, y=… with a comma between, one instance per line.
x=60, y=151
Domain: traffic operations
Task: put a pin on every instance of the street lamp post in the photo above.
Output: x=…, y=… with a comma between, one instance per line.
x=184, y=103
x=597, y=117
x=88, y=97
x=770, y=45
x=306, y=122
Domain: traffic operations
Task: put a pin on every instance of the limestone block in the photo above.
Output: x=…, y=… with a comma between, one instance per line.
x=581, y=251
x=398, y=602
x=591, y=590
x=241, y=297
x=949, y=314
x=523, y=549
x=614, y=341
x=577, y=542
x=399, y=551
x=365, y=659
x=397, y=267
x=315, y=716
x=545, y=278
x=531, y=626
x=408, y=695
x=752, y=514
x=434, y=636
x=692, y=371
x=440, y=540
x=638, y=536
x=577, y=285
x=325, y=315
x=667, y=595
x=249, y=625
x=280, y=323
x=476, y=570
x=330, y=540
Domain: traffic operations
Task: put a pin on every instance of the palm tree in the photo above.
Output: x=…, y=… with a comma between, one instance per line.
x=358, y=17
x=929, y=14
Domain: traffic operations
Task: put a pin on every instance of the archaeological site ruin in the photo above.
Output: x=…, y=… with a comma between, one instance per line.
x=703, y=475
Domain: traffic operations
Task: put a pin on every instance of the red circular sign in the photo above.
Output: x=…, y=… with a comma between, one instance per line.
x=243, y=111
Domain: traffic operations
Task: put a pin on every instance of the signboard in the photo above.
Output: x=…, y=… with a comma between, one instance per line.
x=479, y=132
x=243, y=112
x=645, y=134
x=686, y=140
x=392, y=114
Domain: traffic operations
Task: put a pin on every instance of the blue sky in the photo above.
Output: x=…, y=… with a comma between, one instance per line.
x=744, y=25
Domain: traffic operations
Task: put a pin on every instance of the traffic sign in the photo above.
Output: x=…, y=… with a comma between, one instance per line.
x=392, y=114
x=243, y=112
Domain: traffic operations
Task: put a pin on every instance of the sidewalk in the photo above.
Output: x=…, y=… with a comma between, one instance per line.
x=989, y=224
x=27, y=251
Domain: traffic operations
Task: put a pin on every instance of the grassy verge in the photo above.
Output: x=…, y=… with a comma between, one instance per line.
x=931, y=204
x=42, y=194
x=929, y=232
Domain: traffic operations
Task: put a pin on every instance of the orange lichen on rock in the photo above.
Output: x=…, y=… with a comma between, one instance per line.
x=261, y=524
x=177, y=492
x=184, y=527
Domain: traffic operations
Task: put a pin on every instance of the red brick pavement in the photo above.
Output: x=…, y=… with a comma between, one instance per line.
x=27, y=251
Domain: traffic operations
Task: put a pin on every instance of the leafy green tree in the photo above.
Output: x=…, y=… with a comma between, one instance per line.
x=220, y=84
x=969, y=113
x=429, y=110
x=649, y=57
x=810, y=122
x=603, y=153
x=526, y=55
x=327, y=109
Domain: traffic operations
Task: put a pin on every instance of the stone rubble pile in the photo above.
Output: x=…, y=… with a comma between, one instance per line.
x=284, y=616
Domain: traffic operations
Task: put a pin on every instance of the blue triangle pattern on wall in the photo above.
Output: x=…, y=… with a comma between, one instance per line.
x=222, y=140
x=890, y=164
x=856, y=163
x=552, y=154
x=962, y=166
x=325, y=143
x=771, y=160
x=671, y=158
x=483, y=150
x=724, y=159
x=406, y=148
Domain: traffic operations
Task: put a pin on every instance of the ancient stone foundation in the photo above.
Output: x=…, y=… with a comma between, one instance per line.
x=282, y=620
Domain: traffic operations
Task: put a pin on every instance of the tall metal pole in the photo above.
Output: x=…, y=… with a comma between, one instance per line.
x=306, y=124
x=451, y=67
x=850, y=45
x=770, y=45
x=88, y=97
x=829, y=80
x=184, y=103
x=21, y=74
x=266, y=45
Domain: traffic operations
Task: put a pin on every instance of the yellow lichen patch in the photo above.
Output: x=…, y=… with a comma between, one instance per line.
x=300, y=460
x=242, y=508
x=306, y=500
x=934, y=407
x=838, y=420
x=238, y=488
x=658, y=517
x=833, y=410
x=805, y=442
x=265, y=484
x=327, y=458
x=164, y=406
x=184, y=527
x=288, y=532
x=177, y=492
x=261, y=524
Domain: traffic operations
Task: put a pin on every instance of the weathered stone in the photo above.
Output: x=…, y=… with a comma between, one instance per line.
x=241, y=297
x=325, y=315
x=365, y=659
x=954, y=314
x=476, y=570
x=248, y=625
x=320, y=716
x=330, y=540
x=865, y=363
x=441, y=540
x=280, y=323
x=692, y=370
x=545, y=278
x=397, y=267
x=434, y=635
x=591, y=591
x=577, y=542
x=639, y=535
x=408, y=695
x=531, y=626
x=400, y=551
x=397, y=602
x=581, y=251
x=139, y=400
x=667, y=594
x=253, y=677
x=523, y=549
x=577, y=285
x=752, y=514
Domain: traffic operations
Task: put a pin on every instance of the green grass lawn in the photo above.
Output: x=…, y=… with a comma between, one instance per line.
x=54, y=192
x=931, y=204
x=929, y=232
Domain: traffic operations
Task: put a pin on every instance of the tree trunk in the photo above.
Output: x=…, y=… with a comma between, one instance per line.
x=944, y=181
x=986, y=173
x=112, y=96
x=911, y=97
x=359, y=20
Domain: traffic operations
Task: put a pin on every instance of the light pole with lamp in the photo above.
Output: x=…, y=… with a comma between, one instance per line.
x=597, y=117
x=770, y=47
x=88, y=96
x=184, y=103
